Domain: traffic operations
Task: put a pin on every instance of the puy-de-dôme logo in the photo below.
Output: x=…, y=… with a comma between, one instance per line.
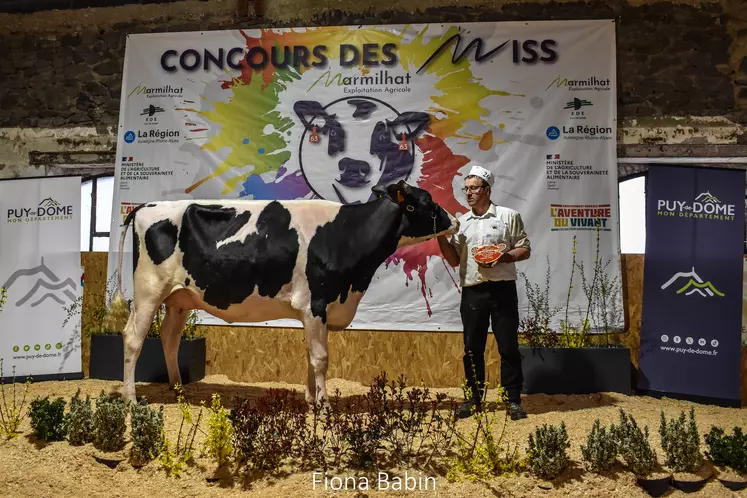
x=705, y=206
x=47, y=210
x=693, y=285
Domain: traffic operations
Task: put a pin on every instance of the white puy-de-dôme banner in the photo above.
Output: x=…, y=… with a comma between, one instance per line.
x=41, y=271
x=319, y=113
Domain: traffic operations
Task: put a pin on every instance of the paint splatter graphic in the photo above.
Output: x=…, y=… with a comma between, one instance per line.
x=288, y=187
x=256, y=133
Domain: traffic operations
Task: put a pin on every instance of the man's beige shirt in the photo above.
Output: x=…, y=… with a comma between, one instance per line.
x=498, y=224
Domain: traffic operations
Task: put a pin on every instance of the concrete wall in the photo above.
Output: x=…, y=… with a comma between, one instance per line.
x=682, y=65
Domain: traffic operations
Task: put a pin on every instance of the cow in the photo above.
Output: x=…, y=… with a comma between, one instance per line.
x=251, y=261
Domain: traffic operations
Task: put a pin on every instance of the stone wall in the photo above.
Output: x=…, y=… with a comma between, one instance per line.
x=682, y=66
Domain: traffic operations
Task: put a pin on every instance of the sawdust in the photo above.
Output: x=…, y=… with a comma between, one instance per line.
x=29, y=468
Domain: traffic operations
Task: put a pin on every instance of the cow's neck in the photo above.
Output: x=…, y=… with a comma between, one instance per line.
x=374, y=238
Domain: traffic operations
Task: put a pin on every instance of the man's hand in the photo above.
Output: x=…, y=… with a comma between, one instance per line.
x=512, y=256
x=448, y=251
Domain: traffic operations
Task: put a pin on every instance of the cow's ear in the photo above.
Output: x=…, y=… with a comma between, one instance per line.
x=404, y=186
x=310, y=107
x=409, y=119
x=397, y=193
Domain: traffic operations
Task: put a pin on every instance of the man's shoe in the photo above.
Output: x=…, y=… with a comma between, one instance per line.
x=516, y=412
x=465, y=409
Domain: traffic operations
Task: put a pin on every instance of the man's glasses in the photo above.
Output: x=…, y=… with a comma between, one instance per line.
x=472, y=189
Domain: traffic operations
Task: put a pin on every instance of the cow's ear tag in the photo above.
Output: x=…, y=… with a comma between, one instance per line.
x=403, y=143
x=314, y=138
x=400, y=197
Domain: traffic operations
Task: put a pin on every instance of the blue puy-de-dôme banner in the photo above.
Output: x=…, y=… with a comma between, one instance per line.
x=692, y=290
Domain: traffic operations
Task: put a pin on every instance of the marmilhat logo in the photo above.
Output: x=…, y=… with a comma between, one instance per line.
x=553, y=133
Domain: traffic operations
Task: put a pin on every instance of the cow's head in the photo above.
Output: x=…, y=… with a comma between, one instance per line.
x=422, y=217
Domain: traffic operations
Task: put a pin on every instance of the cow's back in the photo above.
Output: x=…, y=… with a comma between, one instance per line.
x=223, y=252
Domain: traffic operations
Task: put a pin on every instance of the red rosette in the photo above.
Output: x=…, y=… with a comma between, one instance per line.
x=488, y=254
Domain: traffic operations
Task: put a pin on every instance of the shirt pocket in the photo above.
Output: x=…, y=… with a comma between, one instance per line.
x=494, y=231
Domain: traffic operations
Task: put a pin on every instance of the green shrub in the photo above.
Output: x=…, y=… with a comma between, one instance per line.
x=480, y=454
x=681, y=443
x=220, y=432
x=109, y=423
x=547, y=451
x=146, y=430
x=727, y=451
x=12, y=412
x=79, y=420
x=600, y=450
x=48, y=418
x=174, y=460
x=634, y=446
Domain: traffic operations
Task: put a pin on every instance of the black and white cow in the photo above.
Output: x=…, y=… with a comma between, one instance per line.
x=251, y=261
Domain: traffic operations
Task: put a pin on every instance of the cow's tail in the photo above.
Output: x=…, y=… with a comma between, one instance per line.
x=119, y=310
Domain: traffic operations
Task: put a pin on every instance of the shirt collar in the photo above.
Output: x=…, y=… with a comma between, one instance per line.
x=490, y=212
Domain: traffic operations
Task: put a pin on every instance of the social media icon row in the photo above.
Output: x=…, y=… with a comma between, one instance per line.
x=689, y=340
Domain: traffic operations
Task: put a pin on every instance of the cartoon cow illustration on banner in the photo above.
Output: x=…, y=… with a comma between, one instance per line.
x=356, y=143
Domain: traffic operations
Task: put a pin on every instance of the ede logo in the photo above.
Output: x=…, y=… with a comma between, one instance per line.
x=129, y=137
x=553, y=133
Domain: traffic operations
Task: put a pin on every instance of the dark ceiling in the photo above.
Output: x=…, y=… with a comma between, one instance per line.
x=29, y=6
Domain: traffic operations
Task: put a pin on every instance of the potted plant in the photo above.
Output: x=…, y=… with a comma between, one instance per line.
x=579, y=358
x=728, y=453
x=681, y=444
x=107, y=349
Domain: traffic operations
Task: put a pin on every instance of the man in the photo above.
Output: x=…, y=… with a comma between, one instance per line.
x=488, y=291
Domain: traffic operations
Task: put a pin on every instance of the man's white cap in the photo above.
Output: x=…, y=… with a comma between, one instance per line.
x=482, y=173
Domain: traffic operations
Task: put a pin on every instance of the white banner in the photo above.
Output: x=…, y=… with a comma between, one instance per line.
x=41, y=271
x=320, y=113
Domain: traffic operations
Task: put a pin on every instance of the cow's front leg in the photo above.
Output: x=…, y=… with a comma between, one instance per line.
x=171, y=334
x=316, y=343
x=133, y=337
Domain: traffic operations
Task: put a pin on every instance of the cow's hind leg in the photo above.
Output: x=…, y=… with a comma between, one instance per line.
x=310, y=381
x=133, y=337
x=318, y=357
x=171, y=334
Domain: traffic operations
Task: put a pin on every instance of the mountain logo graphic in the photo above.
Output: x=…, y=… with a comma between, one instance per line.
x=694, y=284
x=51, y=283
x=708, y=198
x=49, y=202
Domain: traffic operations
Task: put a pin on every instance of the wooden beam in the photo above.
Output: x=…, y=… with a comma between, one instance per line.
x=682, y=150
x=242, y=8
